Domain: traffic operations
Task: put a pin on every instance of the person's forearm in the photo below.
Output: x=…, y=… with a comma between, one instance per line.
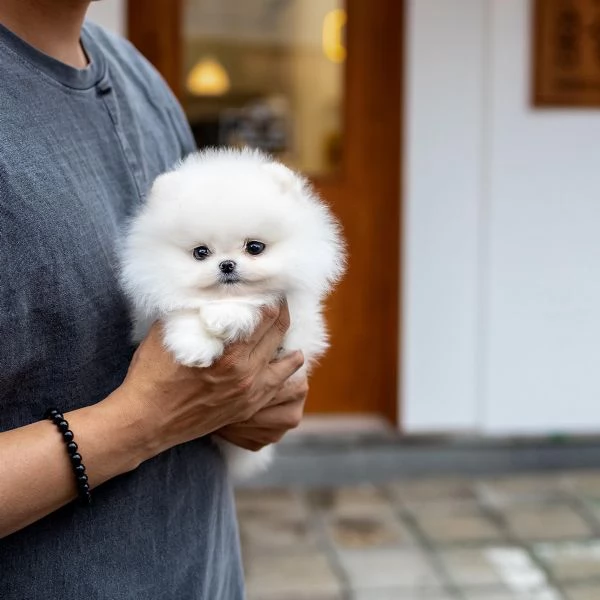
x=161, y=404
x=35, y=472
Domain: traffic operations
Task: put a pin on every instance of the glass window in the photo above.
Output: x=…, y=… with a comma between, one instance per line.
x=267, y=74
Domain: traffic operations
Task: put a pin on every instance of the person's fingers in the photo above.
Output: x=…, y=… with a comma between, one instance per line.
x=281, y=417
x=248, y=443
x=244, y=348
x=266, y=348
x=270, y=316
x=281, y=370
x=294, y=389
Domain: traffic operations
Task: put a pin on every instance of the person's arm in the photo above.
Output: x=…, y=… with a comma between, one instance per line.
x=35, y=474
x=159, y=405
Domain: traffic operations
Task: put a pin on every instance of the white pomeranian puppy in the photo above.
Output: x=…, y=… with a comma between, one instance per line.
x=223, y=234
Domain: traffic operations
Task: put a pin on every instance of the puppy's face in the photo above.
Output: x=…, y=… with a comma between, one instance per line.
x=244, y=229
x=234, y=264
x=235, y=257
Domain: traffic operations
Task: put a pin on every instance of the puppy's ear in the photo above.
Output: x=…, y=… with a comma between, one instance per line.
x=285, y=178
x=162, y=188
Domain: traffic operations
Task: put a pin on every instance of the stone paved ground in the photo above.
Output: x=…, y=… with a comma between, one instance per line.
x=531, y=537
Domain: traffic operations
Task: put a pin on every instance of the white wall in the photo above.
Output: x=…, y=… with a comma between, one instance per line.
x=543, y=346
x=441, y=202
x=110, y=14
x=502, y=273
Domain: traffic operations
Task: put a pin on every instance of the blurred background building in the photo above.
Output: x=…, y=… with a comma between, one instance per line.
x=473, y=300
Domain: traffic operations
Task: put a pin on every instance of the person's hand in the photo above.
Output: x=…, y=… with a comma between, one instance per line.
x=272, y=422
x=173, y=404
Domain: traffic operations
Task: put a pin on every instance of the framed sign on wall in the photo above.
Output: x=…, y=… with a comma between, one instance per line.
x=566, y=53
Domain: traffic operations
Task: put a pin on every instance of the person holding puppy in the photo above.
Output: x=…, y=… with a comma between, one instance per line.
x=86, y=124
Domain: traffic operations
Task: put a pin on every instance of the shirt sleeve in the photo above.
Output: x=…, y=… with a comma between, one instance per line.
x=181, y=125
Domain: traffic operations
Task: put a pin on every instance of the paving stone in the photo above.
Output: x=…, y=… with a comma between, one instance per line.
x=367, y=531
x=592, y=505
x=399, y=594
x=457, y=526
x=488, y=595
x=261, y=502
x=385, y=569
x=291, y=577
x=584, y=483
x=571, y=561
x=350, y=500
x=585, y=592
x=446, y=490
x=521, y=488
x=297, y=595
x=498, y=595
x=277, y=532
x=546, y=522
x=471, y=567
x=498, y=569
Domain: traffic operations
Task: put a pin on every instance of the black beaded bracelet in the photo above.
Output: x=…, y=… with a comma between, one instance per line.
x=81, y=479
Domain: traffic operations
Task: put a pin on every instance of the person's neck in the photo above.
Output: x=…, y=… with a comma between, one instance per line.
x=51, y=26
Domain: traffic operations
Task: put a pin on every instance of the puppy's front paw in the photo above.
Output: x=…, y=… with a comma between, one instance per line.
x=230, y=321
x=189, y=343
x=196, y=353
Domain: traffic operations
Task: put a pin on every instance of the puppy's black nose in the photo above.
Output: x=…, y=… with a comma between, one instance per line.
x=227, y=266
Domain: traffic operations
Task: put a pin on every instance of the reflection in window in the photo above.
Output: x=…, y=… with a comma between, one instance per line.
x=267, y=74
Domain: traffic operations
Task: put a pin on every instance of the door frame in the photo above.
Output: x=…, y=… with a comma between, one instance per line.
x=153, y=26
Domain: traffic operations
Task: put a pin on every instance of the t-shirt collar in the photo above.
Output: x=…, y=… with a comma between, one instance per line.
x=67, y=75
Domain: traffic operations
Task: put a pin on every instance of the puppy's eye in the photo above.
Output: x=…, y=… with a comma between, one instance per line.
x=253, y=247
x=201, y=252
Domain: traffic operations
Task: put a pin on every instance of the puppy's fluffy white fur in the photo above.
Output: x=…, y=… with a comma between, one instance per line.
x=218, y=201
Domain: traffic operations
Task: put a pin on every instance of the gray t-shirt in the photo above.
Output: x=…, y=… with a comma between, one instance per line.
x=78, y=151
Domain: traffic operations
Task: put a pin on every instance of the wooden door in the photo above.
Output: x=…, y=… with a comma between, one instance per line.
x=360, y=372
